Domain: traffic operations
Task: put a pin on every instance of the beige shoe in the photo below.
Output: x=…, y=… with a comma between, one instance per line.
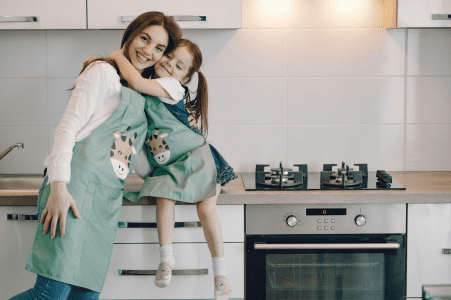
x=222, y=288
x=164, y=275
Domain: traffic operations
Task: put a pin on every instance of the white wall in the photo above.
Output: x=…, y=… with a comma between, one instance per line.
x=302, y=82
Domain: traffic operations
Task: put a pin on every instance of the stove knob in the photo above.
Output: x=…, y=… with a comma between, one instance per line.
x=360, y=220
x=292, y=221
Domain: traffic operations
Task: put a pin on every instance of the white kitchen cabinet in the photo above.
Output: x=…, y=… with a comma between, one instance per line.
x=138, y=249
x=188, y=256
x=109, y=14
x=50, y=14
x=16, y=239
x=231, y=217
x=428, y=232
x=418, y=13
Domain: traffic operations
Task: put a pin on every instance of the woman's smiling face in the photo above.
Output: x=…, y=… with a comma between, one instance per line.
x=148, y=47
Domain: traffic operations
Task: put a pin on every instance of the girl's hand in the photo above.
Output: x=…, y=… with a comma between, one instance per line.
x=89, y=60
x=58, y=204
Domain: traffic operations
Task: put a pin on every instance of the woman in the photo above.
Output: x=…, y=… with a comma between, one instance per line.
x=96, y=145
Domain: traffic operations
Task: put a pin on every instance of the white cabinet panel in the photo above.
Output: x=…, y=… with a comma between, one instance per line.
x=16, y=239
x=220, y=13
x=428, y=231
x=51, y=14
x=231, y=217
x=188, y=256
x=418, y=13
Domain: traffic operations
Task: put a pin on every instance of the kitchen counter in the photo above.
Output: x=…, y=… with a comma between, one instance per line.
x=436, y=292
x=421, y=187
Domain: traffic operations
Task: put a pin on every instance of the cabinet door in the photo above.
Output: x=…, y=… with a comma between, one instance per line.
x=108, y=14
x=428, y=232
x=16, y=239
x=418, y=13
x=50, y=14
x=133, y=217
x=188, y=256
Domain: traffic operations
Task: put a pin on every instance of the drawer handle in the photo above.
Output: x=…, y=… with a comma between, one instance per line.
x=441, y=17
x=325, y=246
x=20, y=217
x=8, y=19
x=154, y=272
x=193, y=224
x=175, y=18
x=446, y=251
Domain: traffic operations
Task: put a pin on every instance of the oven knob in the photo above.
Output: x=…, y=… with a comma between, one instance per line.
x=292, y=221
x=360, y=220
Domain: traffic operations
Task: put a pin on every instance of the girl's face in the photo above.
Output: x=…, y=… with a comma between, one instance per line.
x=175, y=64
x=148, y=47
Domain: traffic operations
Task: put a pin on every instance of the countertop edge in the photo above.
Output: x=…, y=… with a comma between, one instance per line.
x=421, y=188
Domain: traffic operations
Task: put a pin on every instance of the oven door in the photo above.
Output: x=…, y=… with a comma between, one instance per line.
x=310, y=267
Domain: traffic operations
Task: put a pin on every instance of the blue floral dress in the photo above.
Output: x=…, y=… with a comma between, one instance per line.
x=224, y=171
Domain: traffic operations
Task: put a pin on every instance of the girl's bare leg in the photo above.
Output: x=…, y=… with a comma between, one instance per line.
x=165, y=220
x=165, y=225
x=208, y=216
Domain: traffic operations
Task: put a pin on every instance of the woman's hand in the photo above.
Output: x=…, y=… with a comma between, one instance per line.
x=58, y=204
x=192, y=121
x=89, y=60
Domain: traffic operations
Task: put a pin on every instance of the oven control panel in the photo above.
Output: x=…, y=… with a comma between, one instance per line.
x=326, y=219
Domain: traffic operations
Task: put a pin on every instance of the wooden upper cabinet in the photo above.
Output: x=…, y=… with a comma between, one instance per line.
x=197, y=14
x=417, y=13
x=43, y=14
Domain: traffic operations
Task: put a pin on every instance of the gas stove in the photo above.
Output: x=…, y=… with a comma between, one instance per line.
x=343, y=178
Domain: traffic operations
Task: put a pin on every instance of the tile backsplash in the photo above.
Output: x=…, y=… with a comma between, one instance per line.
x=286, y=87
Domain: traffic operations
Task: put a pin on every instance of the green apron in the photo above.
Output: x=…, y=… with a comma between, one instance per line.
x=184, y=168
x=100, y=164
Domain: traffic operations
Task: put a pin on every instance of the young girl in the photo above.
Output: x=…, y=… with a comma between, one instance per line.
x=181, y=66
x=96, y=145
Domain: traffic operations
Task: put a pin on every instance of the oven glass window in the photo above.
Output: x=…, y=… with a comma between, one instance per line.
x=328, y=276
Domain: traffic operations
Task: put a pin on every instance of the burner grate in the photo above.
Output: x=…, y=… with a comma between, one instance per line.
x=283, y=178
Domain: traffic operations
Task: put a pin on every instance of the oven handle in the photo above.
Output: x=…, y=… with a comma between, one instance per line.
x=325, y=246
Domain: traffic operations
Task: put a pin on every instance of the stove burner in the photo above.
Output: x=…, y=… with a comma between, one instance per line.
x=344, y=177
x=277, y=171
x=280, y=177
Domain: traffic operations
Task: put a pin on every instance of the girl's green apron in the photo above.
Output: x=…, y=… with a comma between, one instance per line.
x=82, y=256
x=184, y=169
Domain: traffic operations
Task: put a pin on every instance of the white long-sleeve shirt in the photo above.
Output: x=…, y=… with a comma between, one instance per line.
x=96, y=96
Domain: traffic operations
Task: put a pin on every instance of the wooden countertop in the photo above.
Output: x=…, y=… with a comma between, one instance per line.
x=421, y=187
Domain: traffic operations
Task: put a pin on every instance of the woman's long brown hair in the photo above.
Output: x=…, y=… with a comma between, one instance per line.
x=198, y=106
x=137, y=26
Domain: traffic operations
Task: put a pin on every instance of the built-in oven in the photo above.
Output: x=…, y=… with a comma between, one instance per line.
x=352, y=251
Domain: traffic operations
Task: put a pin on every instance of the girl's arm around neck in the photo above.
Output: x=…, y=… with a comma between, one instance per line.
x=134, y=78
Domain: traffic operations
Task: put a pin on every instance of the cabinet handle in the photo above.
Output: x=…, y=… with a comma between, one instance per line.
x=20, y=217
x=175, y=18
x=154, y=224
x=154, y=272
x=325, y=246
x=446, y=251
x=8, y=19
x=441, y=17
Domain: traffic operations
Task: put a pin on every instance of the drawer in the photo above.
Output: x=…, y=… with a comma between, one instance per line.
x=188, y=257
x=231, y=217
x=16, y=240
x=220, y=14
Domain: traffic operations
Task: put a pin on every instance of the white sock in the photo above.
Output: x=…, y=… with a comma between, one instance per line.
x=219, y=266
x=166, y=254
